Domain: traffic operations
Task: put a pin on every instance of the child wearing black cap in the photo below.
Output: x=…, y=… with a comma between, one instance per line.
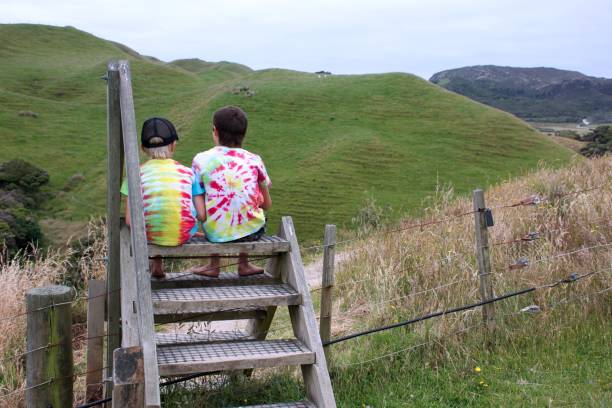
x=170, y=191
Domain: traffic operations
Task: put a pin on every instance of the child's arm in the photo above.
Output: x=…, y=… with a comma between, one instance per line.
x=200, y=206
x=265, y=191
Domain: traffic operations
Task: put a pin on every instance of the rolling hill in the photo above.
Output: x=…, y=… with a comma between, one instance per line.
x=329, y=143
x=539, y=94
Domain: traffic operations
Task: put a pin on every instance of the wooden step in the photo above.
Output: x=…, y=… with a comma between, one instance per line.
x=200, y=247
x=189, y=280
x=222, y=298
x=211, y=336
x=239, y=355
x=300, y=404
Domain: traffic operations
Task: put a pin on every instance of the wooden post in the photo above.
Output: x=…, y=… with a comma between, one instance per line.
x=327, y=286
x=128, y=377
x=49, y=347
x=113, y=208
x=95, y=339
x=139, y=246
x=484, y=259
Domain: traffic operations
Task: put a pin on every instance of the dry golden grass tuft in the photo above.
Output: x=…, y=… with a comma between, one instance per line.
x=399, y=275
x=39, y=268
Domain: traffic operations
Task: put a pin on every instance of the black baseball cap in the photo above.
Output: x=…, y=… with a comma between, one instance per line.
x=158, y=127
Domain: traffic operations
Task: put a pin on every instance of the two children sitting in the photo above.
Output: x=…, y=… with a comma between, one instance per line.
x=227, y=189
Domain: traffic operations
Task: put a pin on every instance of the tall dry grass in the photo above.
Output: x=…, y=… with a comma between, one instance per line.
x=392, y=276
x=40, y=268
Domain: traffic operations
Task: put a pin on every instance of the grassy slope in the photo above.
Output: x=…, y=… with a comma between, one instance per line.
x=328, y=143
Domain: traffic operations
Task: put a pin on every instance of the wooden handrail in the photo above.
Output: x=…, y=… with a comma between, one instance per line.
x=144, y=306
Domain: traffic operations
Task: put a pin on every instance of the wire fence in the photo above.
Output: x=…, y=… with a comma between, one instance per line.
x=520, y=264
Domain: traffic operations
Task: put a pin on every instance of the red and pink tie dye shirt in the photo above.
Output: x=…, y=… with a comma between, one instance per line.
x=230, y=178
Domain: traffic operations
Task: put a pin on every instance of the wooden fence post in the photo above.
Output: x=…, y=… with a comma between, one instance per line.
x=128, y=377
x=49, y=347
x=327, y=286
x=113, y=207
x=95, y=339
x=484, y=259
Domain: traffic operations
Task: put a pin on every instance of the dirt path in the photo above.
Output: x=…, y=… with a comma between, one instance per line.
x=313, y=272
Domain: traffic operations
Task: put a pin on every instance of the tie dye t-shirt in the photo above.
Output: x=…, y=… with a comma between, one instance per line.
x=230, y=178
x=167, y=190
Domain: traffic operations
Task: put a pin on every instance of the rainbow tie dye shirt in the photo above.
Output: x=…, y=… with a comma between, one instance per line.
x=230, y=178
x=167, y=191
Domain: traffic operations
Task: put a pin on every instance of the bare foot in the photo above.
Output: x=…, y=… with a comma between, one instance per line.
x=246, y=269
x=211, y=270
x=156, y=266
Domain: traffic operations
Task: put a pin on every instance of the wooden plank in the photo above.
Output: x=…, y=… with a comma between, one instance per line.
x=113, y=209
x=190, y=280
x=248, y=313
x=52, y=366
x=138, y=235
x=484, y=260
x=95, y=339
x=316, y=377
x=129, y=292
x=220, y=298
x=198, y=250
x=187, y=359
x=128, y=377
x=327, y=286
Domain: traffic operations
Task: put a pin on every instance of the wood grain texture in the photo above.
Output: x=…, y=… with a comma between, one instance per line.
x=49, y=322
x=113, y=208
x=128, y=378
x=96, y=293
x=484, y=259
x=316, y=376
x=129, y=293
x=266, y=246
x=138, y=237
x=327, y=286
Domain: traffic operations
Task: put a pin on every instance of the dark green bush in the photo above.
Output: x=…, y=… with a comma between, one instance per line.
x=20, y=184
x=600, y=142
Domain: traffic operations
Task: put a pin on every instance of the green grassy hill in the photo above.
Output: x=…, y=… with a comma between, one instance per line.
x=329, y=143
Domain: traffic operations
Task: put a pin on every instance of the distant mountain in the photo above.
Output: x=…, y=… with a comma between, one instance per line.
x=540, y=94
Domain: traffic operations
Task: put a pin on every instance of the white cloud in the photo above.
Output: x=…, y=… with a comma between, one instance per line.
x=346, y=36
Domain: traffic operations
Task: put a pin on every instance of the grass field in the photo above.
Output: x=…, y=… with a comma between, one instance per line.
x=329, y=143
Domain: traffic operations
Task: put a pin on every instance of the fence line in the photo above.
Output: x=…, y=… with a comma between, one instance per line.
x=456, y=309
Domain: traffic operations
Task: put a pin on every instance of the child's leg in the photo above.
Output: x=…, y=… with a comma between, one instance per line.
x=156, y=266
x=245, y=268
x=211, y=270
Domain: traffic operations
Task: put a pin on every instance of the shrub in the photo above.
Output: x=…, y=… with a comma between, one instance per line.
x=600, y=142
x=19, y=174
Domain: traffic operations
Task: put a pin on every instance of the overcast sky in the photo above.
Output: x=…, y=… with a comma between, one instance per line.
x=346, y=36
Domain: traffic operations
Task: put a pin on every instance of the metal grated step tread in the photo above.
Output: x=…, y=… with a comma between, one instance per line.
x=223, y=298
x=200, y=247
x=300, y=404
x=188, y=280
x=211, y=336
x=239, y=355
